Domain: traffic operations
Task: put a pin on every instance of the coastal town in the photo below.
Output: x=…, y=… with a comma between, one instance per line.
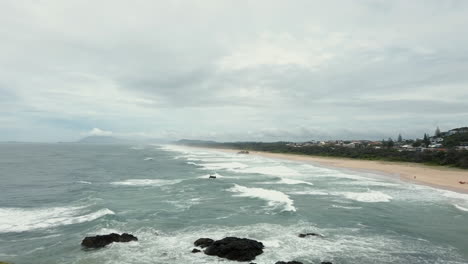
x=456, y=138
x=448, y=148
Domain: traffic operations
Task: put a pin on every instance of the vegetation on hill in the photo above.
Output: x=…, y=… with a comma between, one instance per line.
x=456, y=140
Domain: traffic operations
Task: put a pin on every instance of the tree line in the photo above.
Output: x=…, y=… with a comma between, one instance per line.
x=451, y=157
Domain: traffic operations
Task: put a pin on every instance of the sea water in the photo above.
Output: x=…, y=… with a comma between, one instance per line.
x=53, y=195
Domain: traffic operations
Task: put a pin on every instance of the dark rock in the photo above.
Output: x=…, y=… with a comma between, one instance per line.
x=102, y=241
x=326, y=262
x=212, y=177
x=195, y=250
x=203, y=242
x=233, y=248
x=289, y=262
x=310, y=234
x=127, y=238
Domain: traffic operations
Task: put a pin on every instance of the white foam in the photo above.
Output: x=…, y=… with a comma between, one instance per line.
x=84, y=182
x=461, y=207
x=21, y=219
x=146, y=182
x=367, y=197
x=274, y=198
x=281, y=243
x=310, y=193
x=370, y=183
x=454, y=195
x=223, y=165
x=148, y=158
x=292, y=181
x=214, y=159
x=346, y=207
x=271, y=170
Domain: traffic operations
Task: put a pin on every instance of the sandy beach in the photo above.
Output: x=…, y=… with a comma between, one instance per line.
x=435, y=176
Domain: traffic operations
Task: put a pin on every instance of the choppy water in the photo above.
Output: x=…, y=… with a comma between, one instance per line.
x=53, y=195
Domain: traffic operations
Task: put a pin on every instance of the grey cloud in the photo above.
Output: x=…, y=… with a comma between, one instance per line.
x=218, y=69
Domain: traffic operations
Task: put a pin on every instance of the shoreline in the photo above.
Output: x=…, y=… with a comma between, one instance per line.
x=437, y=177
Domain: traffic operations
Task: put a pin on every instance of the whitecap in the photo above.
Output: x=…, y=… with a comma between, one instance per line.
x=148, y=158
x=146, y=182
x=292, y=181
x=25, y=219
x=461, y=207
x=223, y=165
x=273, y=197
x=346, y=207
x=84, y=182
x=271, y=170
x=367, y=197
x=310, y=193
x=454, y=195
x=289, y=182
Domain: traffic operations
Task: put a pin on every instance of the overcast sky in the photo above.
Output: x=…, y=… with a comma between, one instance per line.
x=232, y=70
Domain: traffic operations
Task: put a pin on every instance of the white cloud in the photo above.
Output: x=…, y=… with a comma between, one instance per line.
x=99, y=132
x=277, y=50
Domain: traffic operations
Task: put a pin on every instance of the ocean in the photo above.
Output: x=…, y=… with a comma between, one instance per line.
x=54, y=195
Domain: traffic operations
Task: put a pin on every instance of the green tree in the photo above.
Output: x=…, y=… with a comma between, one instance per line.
x=437, y=132
x=426, y=140
x=417, y=143
x=390, y=143
x=400, y=139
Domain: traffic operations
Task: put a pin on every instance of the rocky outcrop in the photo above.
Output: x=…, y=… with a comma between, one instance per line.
x=203, y=242
x=310, y=234
x=104, y=240
x=233, y=248
x=195, y=250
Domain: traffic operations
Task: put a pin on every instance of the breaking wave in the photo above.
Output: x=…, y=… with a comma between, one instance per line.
x=146, y=182
x=22, y=219
x=461, y=207
x=367, y=197
x=272, y=170
x=273, y=197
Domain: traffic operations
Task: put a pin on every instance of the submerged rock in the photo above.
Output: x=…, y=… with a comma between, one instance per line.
x=289, y=262
x=104, y=240
x=326, y=262
x=310, y=234
x=233, y=248
x=203, y=242
x=195, y=250
x=212, y=177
